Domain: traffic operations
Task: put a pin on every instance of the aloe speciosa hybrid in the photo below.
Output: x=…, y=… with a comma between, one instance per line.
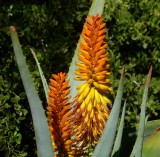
x=79, y=123
x=78, y=115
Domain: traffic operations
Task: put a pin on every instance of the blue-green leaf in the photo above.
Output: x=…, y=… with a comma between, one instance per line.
x=43, y=141
x=150, y=127
x=137, y=149
x=104, y=146
x=117, y=144
x=151, y=147
x=44, y=82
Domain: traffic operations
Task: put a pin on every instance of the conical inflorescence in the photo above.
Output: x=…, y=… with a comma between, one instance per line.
x=58, y=112
x=90, y=105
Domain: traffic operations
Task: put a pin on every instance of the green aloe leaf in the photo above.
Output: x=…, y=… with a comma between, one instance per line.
x=43, y=141
x=96, y=8
x=150, y=127
x=137, y=149
x=44, y=82
x=151, y=147
x=104, y=146
x=117, y=144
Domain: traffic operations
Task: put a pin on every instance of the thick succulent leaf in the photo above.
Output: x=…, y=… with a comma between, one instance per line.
x=43, y=141
x=117, y=144
x=151, y=147
x=150, y=127
x=44, y=82
x=137, y=149
x=104, y=146
x=96, y=8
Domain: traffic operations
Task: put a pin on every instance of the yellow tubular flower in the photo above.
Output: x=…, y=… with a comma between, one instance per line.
x=58, y=112
x=90, y=105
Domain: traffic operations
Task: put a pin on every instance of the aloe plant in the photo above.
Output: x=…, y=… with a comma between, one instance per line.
x=79, y=118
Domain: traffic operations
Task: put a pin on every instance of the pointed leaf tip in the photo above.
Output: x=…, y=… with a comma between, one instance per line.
x=32, y=51
x=42, y=135
x=12, y=29
x=149, y=77
x=123, y=70
x=123, y=73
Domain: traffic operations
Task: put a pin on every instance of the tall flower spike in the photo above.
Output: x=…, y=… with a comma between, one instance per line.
x=58, y=111
x=90, y=104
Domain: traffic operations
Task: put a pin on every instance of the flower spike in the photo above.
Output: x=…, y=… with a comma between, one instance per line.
x=58, y=112
x=90, y=103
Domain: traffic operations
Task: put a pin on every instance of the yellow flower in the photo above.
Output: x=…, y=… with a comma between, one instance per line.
x=90, y=105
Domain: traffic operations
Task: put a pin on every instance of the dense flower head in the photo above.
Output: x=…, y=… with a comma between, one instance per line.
x=76, y=126
x=58, y=111
x=93, y=56
x=90, y=104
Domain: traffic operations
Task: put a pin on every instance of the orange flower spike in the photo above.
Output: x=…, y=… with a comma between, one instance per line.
x=90, y=104
x=58, y=112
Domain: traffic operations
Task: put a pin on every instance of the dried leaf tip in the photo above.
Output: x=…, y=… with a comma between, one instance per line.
x=12, y=29
x=149, y=77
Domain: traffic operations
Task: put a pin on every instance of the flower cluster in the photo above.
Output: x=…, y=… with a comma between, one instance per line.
x=90, y=105
x=77, y=125
x=58, y=111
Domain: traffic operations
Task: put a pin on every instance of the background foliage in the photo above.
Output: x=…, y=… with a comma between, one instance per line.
x=52, y=28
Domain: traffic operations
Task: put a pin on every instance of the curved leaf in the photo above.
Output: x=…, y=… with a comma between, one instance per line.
x=137, y=149
x=104, y=146
x=151, y=147
x=150, y=127
x=44, y=82
x=43, y=141
x=118, y=140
